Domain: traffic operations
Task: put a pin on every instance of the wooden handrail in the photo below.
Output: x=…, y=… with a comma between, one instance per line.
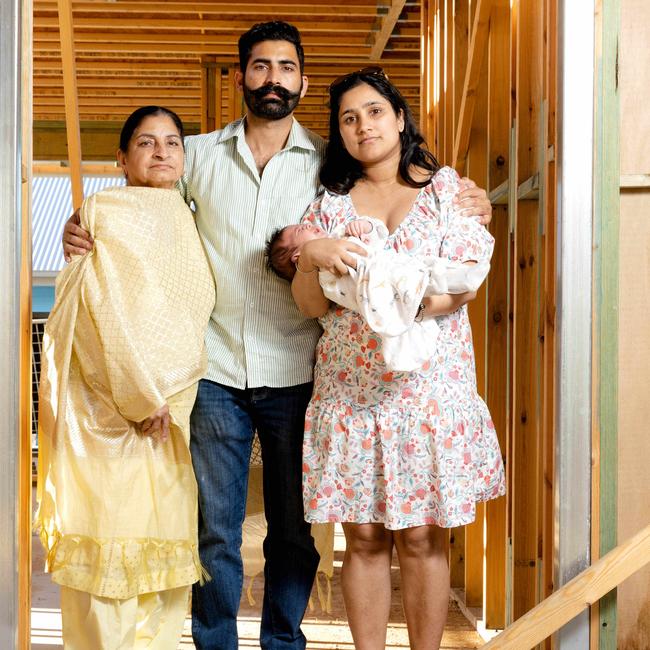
x=576, y=595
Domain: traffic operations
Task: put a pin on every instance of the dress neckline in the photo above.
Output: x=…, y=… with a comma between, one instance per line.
x=407, y=216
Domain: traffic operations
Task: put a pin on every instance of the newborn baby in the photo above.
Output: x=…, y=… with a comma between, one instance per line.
x=385, y=287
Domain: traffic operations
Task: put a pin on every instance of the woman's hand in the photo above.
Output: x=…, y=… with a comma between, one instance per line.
x=447, y=303
x=472, y=201
x=75, y=240
x=333, y=255
x=157, y=424
x=326, y=254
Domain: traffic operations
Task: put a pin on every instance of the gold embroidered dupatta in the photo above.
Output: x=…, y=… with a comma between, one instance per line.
x=118, y=510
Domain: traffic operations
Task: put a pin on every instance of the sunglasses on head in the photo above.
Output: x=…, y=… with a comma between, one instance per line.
x=374, y=70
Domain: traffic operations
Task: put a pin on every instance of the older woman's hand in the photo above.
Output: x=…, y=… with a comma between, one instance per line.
x=75, y=240
x=472, y=200
x=157, y=423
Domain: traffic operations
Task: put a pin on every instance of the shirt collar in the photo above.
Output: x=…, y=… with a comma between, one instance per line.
x=298, y=136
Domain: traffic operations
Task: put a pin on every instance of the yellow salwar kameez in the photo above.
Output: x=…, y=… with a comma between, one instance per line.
x=117, y=510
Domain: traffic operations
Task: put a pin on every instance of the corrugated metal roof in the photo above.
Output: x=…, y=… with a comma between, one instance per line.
x=51, y=207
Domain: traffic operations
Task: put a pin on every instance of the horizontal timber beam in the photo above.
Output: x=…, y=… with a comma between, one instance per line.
x=368, y=7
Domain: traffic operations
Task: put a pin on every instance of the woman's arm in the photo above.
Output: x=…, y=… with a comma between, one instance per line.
x=333, y=255
x=445, y=304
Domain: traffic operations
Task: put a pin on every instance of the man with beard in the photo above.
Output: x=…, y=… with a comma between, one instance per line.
x=254, y=176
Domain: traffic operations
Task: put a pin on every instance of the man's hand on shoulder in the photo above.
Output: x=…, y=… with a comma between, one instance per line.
x=75, y=240
x=472, y=201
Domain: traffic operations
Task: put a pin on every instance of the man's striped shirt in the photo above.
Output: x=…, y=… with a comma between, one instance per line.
x=256, y=336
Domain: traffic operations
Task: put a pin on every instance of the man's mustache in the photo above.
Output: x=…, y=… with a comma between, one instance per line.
x=282, y=93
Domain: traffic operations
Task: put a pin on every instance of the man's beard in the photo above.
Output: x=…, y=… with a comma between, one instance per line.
x=271, y=108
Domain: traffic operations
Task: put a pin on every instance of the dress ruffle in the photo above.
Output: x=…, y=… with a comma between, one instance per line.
x=402, y=467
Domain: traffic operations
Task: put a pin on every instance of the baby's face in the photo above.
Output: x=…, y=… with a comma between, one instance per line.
x=295, y=236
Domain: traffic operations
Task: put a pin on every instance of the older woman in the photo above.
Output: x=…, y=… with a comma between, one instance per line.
x=123, y=352
x=396, y=457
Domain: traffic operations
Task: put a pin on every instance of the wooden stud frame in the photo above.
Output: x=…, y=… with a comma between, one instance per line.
x=66, y=35
x=491, y=99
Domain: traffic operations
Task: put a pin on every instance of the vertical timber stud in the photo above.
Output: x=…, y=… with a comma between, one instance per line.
x=425, y=67
x=460, y=52
x=211, y=88
x=439, y=62
x=66, y=33
x=527, y=262
x=547, y=191
x=512, y=218
x=575, y=181
x=448, y=85
x=605, y=309
x=477, y=170
x=427, y=79
x=498, y=322
x=11, y=31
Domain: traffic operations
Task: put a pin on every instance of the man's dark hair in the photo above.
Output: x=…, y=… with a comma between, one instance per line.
x=340, y=171
x=278, y=257
x=136, y=118
x=276, y=30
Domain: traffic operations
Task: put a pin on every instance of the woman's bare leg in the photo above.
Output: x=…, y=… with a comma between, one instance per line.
x=365, y=579
x=424, y=569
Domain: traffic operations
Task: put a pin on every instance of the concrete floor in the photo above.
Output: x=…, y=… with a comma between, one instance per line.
x=324, y=631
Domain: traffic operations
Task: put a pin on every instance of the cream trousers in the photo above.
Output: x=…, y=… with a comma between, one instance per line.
x=153, y=621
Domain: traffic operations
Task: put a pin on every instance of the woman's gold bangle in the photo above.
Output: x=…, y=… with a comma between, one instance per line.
x=304, y=272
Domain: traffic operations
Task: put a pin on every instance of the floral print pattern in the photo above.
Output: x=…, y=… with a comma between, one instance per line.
x=400, y=448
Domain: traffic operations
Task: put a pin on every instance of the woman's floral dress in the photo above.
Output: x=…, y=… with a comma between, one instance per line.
x=402, y=449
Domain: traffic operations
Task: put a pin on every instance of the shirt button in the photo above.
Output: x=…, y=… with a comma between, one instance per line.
x=251, y=304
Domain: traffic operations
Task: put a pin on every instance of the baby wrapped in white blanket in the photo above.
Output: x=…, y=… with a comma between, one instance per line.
x=387, y=289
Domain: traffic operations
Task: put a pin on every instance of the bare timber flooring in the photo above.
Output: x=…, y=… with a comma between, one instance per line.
x=323, y=631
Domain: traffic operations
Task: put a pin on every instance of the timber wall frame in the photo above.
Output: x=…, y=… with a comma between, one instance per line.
x=493, y=99
x=488, y=109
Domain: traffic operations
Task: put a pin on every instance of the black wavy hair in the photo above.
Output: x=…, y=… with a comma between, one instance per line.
x=275, y=30
x=278, y=256
x=340, y=171
x=134, y=120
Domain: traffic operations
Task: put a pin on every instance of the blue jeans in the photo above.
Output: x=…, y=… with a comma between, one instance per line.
x=223, y=422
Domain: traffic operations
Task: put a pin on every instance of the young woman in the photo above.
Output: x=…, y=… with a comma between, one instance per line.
x=396, y=457
x=123, y=354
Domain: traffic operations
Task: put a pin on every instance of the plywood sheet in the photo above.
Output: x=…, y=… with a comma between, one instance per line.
x=634, y=84
x=634, y=388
